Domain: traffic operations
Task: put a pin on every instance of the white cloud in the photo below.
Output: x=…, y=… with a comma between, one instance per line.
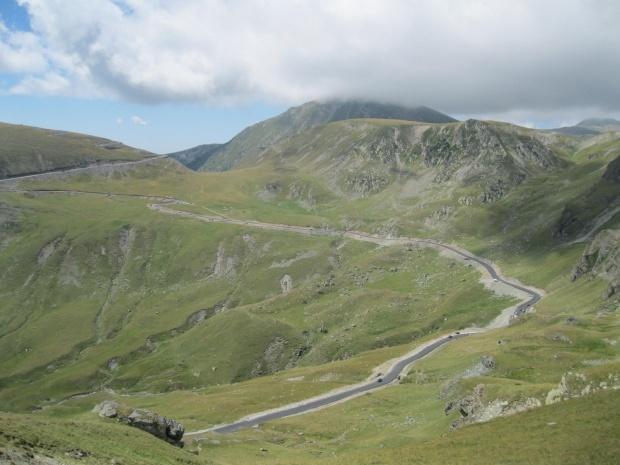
x=138, y=121
x=462, y=56
x=20, y=52
x=119, y=120
x=49, y=83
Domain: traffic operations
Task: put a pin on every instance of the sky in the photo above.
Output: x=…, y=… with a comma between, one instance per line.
x=170, y=74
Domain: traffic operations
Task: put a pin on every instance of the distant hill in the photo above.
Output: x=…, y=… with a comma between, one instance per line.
x=28, y=150
x=590, y=127
x=259, y=137
x=600, y=124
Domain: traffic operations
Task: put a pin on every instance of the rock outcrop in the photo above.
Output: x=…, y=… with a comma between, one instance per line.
x=164, y=428
x=286, y=284
x=474, y=408
x=496, y=156
x=602, y=259
x=575, y=384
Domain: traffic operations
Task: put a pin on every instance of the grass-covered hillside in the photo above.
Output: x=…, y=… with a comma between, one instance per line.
x=574, y=432
x=105, y=297
x=101, y=292
x=27, y=150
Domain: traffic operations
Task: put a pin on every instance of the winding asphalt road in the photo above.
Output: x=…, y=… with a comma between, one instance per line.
x=392, y=375
x=396, y=370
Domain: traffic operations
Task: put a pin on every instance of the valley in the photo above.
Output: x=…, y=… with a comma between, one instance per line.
x=347, y=241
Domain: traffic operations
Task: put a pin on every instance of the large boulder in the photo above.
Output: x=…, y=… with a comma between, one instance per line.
x=164, y=428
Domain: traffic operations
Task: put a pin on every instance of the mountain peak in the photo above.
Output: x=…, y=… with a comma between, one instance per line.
x=255, y=139
x=337, y=110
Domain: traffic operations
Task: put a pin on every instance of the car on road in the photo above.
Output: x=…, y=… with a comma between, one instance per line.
x=380, y=380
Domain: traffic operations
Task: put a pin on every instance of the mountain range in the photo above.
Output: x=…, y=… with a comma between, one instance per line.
x=302, y=258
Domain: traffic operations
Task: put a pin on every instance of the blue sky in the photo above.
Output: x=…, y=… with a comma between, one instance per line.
x=13, y=15
x=172, y=74
x=169, y=126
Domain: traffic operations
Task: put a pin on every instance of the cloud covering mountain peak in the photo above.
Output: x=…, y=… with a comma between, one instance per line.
x=461, y=56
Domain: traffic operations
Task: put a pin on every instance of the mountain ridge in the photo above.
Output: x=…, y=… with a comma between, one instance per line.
x=258, y=137
x=28, y=150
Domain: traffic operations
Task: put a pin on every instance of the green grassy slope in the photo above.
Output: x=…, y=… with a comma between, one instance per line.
x=100, y=291
x=87, y=442
x=371, y=313
x=27, y=150
x=575, y=432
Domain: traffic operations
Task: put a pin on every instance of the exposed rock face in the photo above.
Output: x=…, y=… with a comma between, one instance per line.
x=48, y=250
x=485, y=365
x=359, y=158
x=275, y=357
x=303, y=194
x=497, y=156
x=107, y=409
x=225, y=266
x=474, y=409
x=602, y=258
x=273, y=187
x=286, y=283
x=164, y=428
x=575, y=384
x=366, y=183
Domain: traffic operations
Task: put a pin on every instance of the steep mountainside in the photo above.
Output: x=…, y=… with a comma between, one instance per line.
x=259, y=137
x=581, y=215
x=196, y=157
x=27, y=150
x=602, y=258
x=364, y=157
